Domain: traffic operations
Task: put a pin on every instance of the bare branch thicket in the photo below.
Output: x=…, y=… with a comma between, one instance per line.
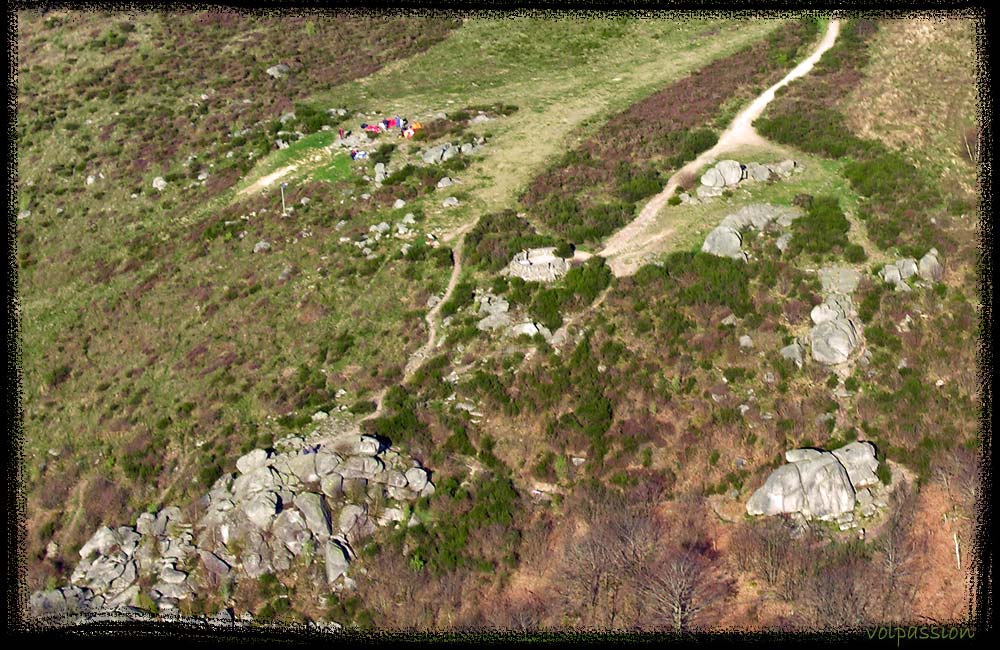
x=769, y=549
x=844, y=590
x=516, y=616
x=971, y=143
x=761, y=548
x=602, y=569
x=897, y=544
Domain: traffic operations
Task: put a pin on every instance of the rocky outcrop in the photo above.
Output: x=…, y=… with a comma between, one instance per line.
x=903, y=271
x=930, y=268
x=836, y=332
x=729, y=174
x=306, y=497
x=833, y=341
x=494, y=311
x=725, y=239
x=447, y=151
x=818, y=484
x=537, y=265
x=278, y=71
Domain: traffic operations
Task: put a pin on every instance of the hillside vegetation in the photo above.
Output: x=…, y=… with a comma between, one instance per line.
x=593, y=454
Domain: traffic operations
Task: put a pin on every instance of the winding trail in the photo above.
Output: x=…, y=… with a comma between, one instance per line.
x=625, y=249
x=621, y=249
x=424, y=352
x=421, y=354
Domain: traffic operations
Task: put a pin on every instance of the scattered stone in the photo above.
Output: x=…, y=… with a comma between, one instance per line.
x=159, y=183
x=445, y=182
x=399, y=203
x=792, y=352
x=450, y=202
x=278, y=71
x=746, y=341
x=261, y=246
x=930, y=268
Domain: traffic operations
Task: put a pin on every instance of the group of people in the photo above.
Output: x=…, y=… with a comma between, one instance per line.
x=406, y=130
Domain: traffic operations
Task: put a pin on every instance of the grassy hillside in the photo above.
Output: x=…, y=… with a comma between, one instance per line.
x=157, y=345
x=167, y=331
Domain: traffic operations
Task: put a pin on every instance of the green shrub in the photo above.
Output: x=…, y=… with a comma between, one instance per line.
x=822, y=230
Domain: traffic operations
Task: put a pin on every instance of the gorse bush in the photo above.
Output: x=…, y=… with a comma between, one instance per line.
x=635, y=184
x=899, y=195
x=495, y=239
x=822, y=230
x=689, y=144
x=579, y=224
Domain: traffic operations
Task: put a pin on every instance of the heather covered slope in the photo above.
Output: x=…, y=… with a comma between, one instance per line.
x=156, y=343
x=591, y=440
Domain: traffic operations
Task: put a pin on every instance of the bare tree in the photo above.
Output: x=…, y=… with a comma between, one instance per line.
x=770, y=549
x=602, y=568
x=895, y=544
x=680, y=589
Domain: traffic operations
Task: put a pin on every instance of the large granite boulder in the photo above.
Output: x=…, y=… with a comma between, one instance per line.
x=337, y=559
x=731, y=172
x=816, y=486
x=781, y=493
x=858, y=458
x=833, y=341
x=713, y=178
x=261, y=508
x=724, y=241
x=313, y=508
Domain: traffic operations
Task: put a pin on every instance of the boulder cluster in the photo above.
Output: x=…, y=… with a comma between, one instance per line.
x=836, y=331
x=303, y=499
x=825, y=485
x=929, y=269
x=442, y=152
x=726, y=240
x=728, y=174
x=495, y=316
